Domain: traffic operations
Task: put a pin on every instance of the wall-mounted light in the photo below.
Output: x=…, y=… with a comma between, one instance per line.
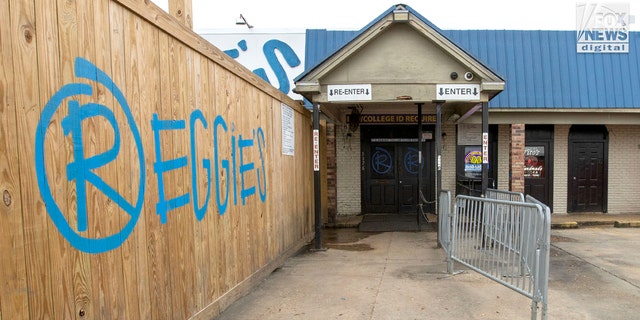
x=241, y=21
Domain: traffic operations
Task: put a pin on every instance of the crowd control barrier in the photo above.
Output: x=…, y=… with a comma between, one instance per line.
x=506, y=241
x=504, y=195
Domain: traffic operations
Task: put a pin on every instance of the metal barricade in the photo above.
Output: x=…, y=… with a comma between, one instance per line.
x=506, y=241
x=444, y=220
x=492, y=227
x=545, y=245
x=503, y=195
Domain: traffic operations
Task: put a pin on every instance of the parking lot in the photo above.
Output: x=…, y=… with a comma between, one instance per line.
x=595, y=273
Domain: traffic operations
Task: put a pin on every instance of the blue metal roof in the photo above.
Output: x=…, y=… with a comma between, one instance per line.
x=541, y=69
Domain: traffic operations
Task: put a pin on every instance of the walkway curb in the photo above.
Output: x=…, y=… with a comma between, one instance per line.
x=627, y=224
x=565, y=225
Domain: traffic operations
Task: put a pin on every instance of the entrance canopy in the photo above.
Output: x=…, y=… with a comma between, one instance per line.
x=398, y=60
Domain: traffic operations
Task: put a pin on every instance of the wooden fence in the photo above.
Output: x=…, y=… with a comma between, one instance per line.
x=143, y=173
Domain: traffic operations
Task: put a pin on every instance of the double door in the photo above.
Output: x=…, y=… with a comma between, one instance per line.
x=390, y=176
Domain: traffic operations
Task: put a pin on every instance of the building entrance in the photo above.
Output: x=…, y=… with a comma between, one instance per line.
x=538, y=163
x=390, y=169
x=587, y=169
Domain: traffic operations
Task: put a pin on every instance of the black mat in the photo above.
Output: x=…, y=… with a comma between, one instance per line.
x=381, y=222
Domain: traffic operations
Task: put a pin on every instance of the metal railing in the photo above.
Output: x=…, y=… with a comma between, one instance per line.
x=444, y=220
x=503, y=195
x=506, y=241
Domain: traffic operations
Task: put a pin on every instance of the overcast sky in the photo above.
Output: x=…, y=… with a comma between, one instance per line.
x=355, y=14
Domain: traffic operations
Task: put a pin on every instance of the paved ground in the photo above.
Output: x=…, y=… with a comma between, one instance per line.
x=594, y=274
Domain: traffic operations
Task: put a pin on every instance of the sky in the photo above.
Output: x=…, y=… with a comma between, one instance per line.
x=355, y=14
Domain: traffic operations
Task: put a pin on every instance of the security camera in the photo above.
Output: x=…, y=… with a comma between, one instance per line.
x=468, y=76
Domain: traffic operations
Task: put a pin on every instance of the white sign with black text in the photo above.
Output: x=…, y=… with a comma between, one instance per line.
x=458, y=92
x=288, y=130
x=349, y=92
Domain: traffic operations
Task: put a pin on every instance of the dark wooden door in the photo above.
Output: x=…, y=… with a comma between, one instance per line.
x=538, y=163
x=586, y=176
x=536, y=177
x=390, y=183
x=408, y=169
x=380, y=187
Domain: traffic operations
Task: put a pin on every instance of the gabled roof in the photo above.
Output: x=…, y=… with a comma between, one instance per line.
x=401, y=54
x=329, y=42
x=541, y=69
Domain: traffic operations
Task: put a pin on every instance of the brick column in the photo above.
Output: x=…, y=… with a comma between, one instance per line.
x=516, y=158
x=332, y=201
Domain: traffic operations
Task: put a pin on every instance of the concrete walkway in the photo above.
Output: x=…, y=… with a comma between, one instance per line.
x=401, y=275
x=558, y=221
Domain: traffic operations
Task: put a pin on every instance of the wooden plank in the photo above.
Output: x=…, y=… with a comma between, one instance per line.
x=261, y=214
x=49, y=83
x=35, y=220
x=273, y=137
x=203, y=244
x=186, y=214
x=277, y=201
x=79, y=263
x=101, y=214
x=212, y=218
x=218, y=96
x=148, y=88
x=224, y=197
x=179, y=219
x=241, y=118
x=159, y=254
x=138, y=55
x=14, y=303
x=182, y=10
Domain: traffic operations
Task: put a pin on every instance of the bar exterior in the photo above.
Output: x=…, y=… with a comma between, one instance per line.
x=563, y=123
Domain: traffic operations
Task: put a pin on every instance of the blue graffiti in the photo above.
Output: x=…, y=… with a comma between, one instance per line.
x=161, y=166
x=411, y=162
x=206, y=164
x=381, y=161
x=222, y=205
x=236, y=168
x=289, y=56
x=262, y=182
x=234, y=53
x=81, y=170
x=271, y=49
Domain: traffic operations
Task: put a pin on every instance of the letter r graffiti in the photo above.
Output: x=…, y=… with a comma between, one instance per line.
x=81, y=169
